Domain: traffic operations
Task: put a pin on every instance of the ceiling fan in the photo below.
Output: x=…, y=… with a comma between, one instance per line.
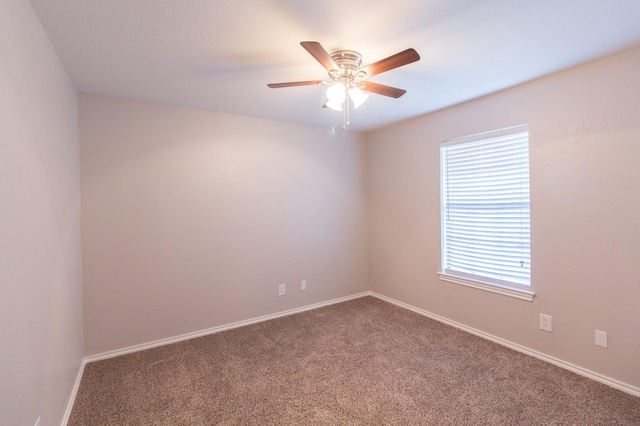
x=347, y=76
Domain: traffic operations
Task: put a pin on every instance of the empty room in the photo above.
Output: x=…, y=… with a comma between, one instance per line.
x=319, y=212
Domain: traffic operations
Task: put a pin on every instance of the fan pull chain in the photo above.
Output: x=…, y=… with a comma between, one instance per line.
x=345, y=114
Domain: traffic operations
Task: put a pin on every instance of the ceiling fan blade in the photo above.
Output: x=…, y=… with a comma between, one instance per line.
x=394, y=61
x=295, y=83
x=381, y=89
x=317, y=51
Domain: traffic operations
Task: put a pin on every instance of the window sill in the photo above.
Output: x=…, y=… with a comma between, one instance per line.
x=517, y=293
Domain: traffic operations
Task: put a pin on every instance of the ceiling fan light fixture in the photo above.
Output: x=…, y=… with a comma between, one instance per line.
x=337, y=93
x=357, y=96
x=336, y=106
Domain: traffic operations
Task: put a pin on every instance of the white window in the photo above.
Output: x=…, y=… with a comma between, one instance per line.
x=485, y=211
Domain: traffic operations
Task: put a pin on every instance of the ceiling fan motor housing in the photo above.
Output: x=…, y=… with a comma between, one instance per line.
x=349, y=63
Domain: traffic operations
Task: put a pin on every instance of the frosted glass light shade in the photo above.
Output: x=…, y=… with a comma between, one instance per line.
x=357, y=96
x=336, y=106
x=337, y=93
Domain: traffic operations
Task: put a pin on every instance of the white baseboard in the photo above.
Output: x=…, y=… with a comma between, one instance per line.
x=74, y=392
x=187, y=336
x=527, y=351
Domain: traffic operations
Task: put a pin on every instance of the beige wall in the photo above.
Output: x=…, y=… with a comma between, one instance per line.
x=191, y=219
x=584, y=154
x=41, y=345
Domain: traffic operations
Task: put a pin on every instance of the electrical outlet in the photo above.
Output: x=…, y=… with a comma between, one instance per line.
x=601, y=338
x=303, y=285
x=281, y=290
x=545, y=323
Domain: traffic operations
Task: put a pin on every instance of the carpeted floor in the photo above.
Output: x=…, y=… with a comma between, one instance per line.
x=359, y=362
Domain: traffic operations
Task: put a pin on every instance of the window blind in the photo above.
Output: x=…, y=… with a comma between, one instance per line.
x=485, y=207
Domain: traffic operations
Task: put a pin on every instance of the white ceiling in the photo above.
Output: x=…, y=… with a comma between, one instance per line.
x=219, y=55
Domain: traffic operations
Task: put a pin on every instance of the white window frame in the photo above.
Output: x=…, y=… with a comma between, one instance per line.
x=476, y=280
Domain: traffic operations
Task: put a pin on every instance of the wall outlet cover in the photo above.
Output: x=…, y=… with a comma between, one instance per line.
x=546, y=323
x=601, y=338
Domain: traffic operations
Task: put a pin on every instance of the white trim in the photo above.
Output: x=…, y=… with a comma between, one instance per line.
x=74, y=392
x=486, y=135
x=625, y=387
x=490, y=287
x=192, y=335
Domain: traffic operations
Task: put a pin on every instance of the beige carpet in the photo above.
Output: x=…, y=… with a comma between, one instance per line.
x=360, y=362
